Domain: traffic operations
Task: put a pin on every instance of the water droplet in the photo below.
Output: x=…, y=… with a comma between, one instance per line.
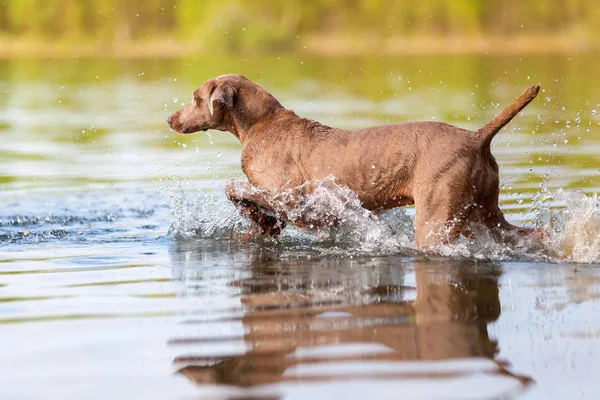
x=594, y=112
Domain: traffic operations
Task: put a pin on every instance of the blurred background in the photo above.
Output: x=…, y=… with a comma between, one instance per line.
x=183, y=27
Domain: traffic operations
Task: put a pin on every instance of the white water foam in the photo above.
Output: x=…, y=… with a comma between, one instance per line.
x=570, y=218
x=574, y=225
x=200, y=215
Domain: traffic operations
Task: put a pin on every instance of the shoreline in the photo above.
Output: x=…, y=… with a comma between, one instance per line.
x=317, y=46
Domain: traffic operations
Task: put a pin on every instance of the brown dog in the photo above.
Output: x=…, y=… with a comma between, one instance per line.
x=449, y=173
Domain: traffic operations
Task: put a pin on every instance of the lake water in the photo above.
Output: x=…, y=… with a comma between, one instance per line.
x=118, y=277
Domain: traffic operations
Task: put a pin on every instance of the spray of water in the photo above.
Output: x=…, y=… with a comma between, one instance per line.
x=571, y=220
x=574, y=225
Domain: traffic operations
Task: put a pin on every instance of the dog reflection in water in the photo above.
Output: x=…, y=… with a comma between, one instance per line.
x=290, y=318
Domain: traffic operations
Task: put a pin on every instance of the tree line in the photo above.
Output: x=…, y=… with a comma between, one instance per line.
x=274, y=24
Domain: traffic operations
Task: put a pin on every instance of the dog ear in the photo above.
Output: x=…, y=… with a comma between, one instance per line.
x=224, y=94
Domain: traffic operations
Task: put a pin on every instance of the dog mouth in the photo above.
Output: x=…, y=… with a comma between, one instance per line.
x=190, y=129
x=178, y=126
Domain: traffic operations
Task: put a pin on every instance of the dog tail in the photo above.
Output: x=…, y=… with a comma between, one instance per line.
x=488, y=132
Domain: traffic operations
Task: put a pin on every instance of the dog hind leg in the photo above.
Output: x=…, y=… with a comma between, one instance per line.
x=441, y=215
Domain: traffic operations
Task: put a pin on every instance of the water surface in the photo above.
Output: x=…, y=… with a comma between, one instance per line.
x=118, y=276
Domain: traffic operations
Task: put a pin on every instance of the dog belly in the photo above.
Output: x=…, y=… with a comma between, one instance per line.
x=376, y=191
x=380, y=187
x=371, y=203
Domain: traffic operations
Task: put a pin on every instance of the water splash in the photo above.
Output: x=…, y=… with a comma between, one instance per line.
x=200, y=215
x=573, y=226
x=571, y=220
x=359, y=231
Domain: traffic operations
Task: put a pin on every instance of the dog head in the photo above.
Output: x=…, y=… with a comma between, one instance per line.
x=228, y=103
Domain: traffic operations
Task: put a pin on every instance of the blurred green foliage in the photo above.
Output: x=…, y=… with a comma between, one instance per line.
x=277, y=24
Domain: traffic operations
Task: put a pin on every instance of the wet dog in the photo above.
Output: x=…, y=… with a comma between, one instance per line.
x=447, y=172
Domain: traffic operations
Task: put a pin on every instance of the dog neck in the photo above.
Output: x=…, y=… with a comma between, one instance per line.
x=245, y=123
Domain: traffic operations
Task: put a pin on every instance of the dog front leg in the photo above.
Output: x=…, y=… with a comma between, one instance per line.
x=255, y=205
x=270, y=212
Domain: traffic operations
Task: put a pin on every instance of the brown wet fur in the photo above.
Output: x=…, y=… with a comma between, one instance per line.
x=447, y=172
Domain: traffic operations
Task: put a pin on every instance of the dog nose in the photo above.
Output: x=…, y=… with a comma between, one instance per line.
x=170, y=119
